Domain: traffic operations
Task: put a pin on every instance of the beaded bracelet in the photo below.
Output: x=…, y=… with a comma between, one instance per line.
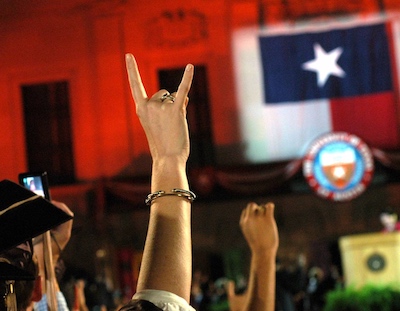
x=187, y=194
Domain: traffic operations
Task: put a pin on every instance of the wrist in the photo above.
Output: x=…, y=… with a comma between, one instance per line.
x=263, y=261
x=168, y=174
x=177, y=161
x=263, y=252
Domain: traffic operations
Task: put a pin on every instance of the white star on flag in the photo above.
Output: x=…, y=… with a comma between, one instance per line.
x=325, y=64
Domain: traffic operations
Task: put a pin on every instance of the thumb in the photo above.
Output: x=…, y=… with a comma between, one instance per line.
x=230, y=288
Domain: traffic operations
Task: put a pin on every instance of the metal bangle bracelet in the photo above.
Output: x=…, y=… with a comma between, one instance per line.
x=186, y=194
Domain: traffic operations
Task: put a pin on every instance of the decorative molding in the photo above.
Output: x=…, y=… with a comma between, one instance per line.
x=177, y=28
x=107, y=7
x=297, y=10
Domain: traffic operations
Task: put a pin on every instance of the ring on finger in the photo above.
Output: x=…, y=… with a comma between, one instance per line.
x=167, y=96
x=260, y=208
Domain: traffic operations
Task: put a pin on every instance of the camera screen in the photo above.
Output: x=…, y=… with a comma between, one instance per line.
x=34, y=183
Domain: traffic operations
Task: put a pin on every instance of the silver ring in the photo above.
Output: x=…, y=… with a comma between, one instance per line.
x=167, y=96
x=260, y=208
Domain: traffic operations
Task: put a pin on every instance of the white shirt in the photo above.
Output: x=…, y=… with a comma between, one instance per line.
x=42, y=304
x=164, y=300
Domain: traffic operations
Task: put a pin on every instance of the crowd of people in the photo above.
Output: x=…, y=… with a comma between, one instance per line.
x=165, y=278
x=299, y=287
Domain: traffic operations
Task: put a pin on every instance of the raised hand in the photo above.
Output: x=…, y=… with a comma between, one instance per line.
x=166, y=129
x=259, y=227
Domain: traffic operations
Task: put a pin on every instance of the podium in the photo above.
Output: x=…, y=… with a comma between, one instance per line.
x=371, y=258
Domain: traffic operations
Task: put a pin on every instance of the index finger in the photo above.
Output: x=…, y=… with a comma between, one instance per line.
x=135, y=81
x=186, y=83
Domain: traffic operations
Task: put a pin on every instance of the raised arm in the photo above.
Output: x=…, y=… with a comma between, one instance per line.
x=60, y=238
x=259, y=228
x=167, y=257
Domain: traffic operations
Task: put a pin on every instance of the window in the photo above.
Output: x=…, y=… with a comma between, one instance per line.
x=48, y=130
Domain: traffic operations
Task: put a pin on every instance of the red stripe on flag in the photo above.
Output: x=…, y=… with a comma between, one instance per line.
x=370, y=117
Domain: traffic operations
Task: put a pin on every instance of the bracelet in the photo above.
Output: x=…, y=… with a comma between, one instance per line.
x=187, y=194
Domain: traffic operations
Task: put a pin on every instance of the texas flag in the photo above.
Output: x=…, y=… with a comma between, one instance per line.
x=296, y=83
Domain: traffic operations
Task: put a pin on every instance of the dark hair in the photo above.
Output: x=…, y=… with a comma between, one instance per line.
x=388, y=210
x=21, y=257
x=140, y=305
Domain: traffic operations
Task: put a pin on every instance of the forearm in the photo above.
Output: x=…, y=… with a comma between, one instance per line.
x=167, y=258
x=41, y=266
x=261, y=287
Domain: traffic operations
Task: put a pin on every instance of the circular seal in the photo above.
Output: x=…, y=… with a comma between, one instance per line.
x=376, y=262
x=338, y=166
